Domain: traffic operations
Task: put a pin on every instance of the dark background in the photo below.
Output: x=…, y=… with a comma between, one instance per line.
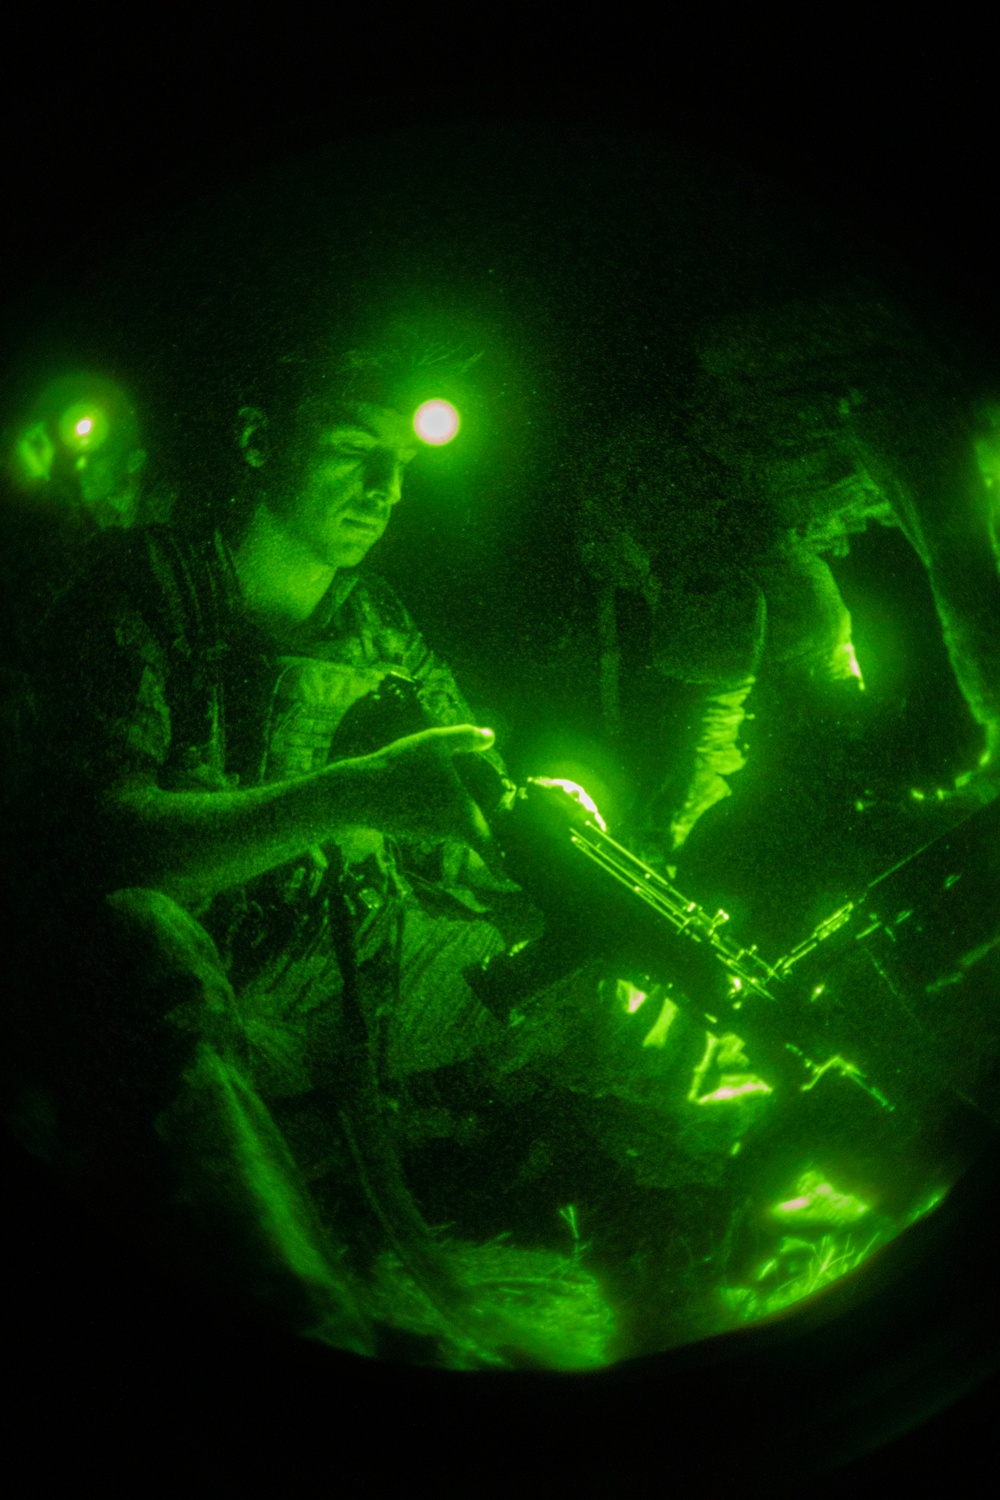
x=891, y=131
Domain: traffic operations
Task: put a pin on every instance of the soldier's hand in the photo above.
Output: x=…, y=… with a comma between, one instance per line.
x=411, y=786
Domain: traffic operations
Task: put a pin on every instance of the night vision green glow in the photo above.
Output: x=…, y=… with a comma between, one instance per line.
x=797, y=1270
x=83, y=426
x=816, y=1201
x=35, y=452
x=629, y=997
x=927, y=1205
x=576, y=791
x=436, y=422
x=846, y=665
x=800, y=1267
x=402, y=1049
x=725, y=1053
x=657, y=1035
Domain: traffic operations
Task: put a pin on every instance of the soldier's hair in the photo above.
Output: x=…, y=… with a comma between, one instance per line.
x=304, y=388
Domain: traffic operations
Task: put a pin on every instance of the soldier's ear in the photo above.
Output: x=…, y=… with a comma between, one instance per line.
x=251, y=436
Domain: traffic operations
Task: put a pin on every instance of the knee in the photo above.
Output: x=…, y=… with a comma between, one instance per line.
x=143, y=989
x=139, y=909
x=157, y=990
x=151, y=929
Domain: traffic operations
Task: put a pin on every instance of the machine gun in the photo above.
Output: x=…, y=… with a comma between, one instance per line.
x=896, y=991
x=852, y=998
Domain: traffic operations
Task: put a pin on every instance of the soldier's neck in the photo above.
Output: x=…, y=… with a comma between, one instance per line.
x=281, y=578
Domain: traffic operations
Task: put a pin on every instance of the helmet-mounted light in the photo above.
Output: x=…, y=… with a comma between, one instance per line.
x=436, y=422
x=83, y=426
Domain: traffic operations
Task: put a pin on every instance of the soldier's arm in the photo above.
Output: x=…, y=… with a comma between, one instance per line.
x=193, y=844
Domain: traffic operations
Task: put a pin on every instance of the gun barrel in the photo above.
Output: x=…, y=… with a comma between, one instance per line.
x=684, y=915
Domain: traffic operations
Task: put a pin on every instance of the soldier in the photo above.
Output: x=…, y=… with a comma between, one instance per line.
x=804, y=425
x=242, y=946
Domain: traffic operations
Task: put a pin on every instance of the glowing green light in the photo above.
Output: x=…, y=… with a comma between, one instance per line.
x=818, y=1202
x=576, y=791
x=657, y=1036
x=840, y=1065
x=35, y=452
x=741, y=1089
x=83, y=425
x=846, y=665
x=436, y=422
x=927, y=1205
x=808, y=1268
x=725, y=1052
x=569, y=1214
x=628, y=996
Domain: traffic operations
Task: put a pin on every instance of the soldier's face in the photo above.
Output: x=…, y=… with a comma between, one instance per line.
x=350, y=480
x=62, y=468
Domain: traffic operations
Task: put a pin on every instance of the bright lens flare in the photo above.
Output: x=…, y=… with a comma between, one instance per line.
x=436, y=422
x=83, y=426
x=577, y=792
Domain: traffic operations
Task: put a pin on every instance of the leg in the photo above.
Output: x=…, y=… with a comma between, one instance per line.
x=808, y=623
x=717, y=756
x=163, y=1127
x=712, y=641
x=438, y=1020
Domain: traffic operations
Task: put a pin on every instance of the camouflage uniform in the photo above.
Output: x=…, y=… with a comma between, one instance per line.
x=208, y=1057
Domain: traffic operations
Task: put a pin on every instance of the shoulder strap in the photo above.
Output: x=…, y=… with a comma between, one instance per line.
x=197, y=600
